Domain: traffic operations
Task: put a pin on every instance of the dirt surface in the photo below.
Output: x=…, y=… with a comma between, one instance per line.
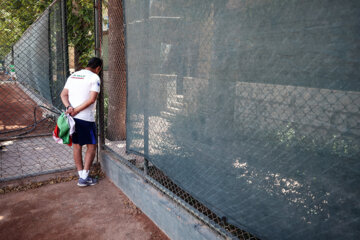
x=4, y=77
x=17, y=112
x=65, y=211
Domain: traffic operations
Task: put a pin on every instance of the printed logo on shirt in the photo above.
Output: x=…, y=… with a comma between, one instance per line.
x=77, y=76
x=98, y=83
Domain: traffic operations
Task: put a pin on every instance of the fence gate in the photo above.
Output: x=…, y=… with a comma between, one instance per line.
x=34, y=68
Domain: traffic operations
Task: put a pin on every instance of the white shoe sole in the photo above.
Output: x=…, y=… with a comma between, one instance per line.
x=82, y=185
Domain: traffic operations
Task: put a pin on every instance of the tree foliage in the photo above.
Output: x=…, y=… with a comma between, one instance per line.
x=17, y=15
x=81, y=29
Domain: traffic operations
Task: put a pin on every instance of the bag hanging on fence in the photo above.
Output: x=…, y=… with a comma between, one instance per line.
x=64, y=128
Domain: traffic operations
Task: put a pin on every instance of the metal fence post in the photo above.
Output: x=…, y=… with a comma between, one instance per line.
x=98, y=41
x=12, y=53
x=146, y=89
x=51, y=84
x=64, y=38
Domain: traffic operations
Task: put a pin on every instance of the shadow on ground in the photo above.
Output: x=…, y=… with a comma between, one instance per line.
x=65, y=211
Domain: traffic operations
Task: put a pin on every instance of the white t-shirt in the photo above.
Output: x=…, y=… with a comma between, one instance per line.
x=79, y=86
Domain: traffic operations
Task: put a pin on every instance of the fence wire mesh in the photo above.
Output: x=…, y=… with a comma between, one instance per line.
x=115, y=71
x=248, y=110
x=113, y=52
x=34, y=69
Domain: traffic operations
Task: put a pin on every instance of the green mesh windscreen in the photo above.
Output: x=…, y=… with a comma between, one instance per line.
x=38, y=56
x=252, y=107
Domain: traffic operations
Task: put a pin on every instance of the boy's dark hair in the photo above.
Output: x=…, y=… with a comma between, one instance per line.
x=95, y=62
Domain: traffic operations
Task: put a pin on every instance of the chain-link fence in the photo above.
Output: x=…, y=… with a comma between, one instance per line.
x=34, y=69
x=115, y=70
x=249, y=111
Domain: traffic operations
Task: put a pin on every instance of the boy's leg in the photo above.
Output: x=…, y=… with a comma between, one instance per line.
x=89, y=156
x=77, y=153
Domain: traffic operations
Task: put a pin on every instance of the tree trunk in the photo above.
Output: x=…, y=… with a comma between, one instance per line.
x=78, y=48
x=116, y=129
x=77, y=54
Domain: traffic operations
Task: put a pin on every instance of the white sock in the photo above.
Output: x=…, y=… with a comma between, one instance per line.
x=85, y=174
x=80, y=173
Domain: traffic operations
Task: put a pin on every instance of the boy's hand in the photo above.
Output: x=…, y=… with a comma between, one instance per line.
x=70, y=110
x=73, y=112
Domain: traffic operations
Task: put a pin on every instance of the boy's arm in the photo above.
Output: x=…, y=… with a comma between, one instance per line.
x=87, y=103
x=65, y=100
x=65, y=97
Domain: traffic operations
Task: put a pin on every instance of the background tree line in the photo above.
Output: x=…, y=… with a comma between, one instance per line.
x=17, y=15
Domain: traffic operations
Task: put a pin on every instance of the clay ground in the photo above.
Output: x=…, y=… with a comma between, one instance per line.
x=17, y=112
x=65, y=211
x=21, y=157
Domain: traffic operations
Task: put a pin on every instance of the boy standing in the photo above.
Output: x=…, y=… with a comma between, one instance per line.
x=79, y=97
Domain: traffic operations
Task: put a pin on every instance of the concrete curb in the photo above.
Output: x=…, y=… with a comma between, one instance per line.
x=38, y=178
x=172, y=219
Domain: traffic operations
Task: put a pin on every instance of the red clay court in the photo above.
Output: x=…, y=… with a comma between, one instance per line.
x=65, y=211
x=17, y=112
